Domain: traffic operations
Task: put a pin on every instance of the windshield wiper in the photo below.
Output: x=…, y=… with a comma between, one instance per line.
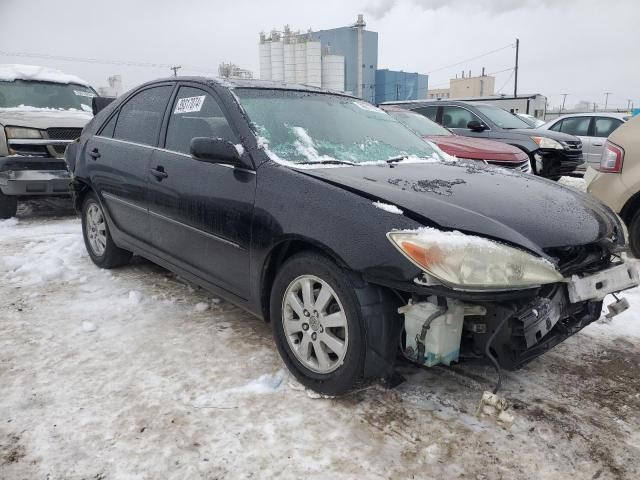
x=327, y=162
x=397, y=159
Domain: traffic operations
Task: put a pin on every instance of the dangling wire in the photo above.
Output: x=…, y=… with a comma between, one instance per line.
x=487, y=351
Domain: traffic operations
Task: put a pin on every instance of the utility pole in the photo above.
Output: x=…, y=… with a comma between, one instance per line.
x=606, y=100
x=515, y=83
x=629, y=104
x=595, y=105
x=175, y=69
x=564, y=97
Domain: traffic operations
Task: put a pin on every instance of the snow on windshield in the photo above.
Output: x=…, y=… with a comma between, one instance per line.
x=12, y=72
x=302, y=128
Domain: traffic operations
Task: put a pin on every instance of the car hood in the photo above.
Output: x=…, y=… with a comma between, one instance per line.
x=539, y=132
x=520, y=209
x=477, y=148
x=43, y=118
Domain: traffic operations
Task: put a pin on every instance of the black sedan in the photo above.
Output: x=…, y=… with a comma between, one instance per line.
x=552, y=154
x=355, y=238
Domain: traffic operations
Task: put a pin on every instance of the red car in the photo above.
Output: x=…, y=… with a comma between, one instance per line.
x=489, y=151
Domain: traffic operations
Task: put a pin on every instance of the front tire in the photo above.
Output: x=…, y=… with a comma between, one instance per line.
x=634, y=234
x=318, y=324
x=8, y=206
x=97, y=239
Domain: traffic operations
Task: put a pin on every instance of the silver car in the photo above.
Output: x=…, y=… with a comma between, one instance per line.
x=592, y=128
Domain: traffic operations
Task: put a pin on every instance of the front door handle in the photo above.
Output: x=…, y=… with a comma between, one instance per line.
x=159, y=173
x=95, y=154
x=597, y=144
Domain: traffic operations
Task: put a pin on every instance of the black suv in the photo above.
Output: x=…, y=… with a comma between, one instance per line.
x=552, y=154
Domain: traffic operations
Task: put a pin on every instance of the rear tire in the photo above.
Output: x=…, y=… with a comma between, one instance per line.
x=318, y=324
x=97, y=238
x=8, y=206
x=634, y=234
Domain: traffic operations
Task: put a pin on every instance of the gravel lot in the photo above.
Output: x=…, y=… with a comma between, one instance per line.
x=133, y=373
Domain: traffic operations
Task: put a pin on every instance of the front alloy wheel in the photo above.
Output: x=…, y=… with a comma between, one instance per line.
x=318, y=323
x=315, y=324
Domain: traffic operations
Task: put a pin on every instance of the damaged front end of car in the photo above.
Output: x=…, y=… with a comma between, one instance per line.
x=482, y=299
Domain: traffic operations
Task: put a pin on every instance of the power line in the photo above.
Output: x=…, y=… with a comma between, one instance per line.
x=470, y=59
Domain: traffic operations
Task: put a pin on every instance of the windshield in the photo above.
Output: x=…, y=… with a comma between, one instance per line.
x=502, y=118
x=303, y=127
x=419, y=123
x=27, y=93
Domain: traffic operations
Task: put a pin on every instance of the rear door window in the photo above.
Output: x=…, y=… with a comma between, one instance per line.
x=576, y=126
x=429, y=112
x=556, y=126
x=140, y=118
x=195, y=113
x=605, y=126
x=456, y=117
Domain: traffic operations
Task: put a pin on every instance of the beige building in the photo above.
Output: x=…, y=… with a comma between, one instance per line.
x=480, y=86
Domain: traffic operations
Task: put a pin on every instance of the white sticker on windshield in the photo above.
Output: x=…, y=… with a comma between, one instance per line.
x=189, y=104
x=83, y=93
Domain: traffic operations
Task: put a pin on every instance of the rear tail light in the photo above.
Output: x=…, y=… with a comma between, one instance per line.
x=612, y=157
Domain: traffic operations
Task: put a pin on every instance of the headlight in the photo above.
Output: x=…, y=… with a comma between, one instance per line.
x=544, y=142
x=472, y=263
x=21, y=132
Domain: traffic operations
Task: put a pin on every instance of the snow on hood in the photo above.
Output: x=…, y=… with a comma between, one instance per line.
x=11, y=72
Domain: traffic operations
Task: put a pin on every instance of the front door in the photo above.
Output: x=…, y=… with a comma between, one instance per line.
x=200, y=213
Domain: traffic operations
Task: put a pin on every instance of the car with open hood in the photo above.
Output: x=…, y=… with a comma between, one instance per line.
x=42, y=110
x=354, y=237
x=552, y=154
x=480, y=149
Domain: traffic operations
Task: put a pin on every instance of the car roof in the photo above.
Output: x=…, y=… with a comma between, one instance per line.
x=232, y=83
x=618, y=115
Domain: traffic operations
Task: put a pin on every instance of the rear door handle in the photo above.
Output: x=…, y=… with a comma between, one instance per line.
x=597, y=144
x=95, y=154
x=159, y=173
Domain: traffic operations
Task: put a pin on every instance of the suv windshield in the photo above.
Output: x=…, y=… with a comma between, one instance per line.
x=419, y=123
x=303, y=127
x=28, y=93
x=502, y=118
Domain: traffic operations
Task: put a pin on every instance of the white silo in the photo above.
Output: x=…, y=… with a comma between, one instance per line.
x=333, y=72
x=264, y=50
x=314, y=64
x=289, y=62
x=277, y=58
x=300, y=51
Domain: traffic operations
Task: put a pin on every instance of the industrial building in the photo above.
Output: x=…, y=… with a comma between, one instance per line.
x=466, y=86
x=343, y=59
x=397, y=85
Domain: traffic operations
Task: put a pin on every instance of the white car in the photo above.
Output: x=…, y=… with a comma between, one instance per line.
x=531, y=120
x=592, y=128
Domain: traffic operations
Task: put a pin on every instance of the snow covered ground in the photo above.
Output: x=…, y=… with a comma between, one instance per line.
x=133, y=373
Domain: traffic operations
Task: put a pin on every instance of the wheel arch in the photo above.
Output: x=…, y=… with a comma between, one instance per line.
x=284, y=249
x=630, y=208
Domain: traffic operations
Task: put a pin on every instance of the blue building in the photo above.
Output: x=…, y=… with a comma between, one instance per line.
x=344, y=41
x=391, y=85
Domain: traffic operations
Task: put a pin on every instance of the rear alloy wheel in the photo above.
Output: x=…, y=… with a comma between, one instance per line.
x=8, y=206
x=97, y=238
x=317, y=324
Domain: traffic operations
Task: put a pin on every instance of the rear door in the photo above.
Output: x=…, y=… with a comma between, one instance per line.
x=119, y=157
x=201, y=213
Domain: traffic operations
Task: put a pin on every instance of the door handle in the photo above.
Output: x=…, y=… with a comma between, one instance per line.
x=95, y=154
x=159, y=173
x=597, y=144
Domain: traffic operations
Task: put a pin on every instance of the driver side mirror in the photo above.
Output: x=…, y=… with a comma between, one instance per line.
x=214, y=150
x=476, y=126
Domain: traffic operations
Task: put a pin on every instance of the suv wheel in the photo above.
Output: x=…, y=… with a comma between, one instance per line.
x=318, y=324
x=97, y=239
x=8, y=206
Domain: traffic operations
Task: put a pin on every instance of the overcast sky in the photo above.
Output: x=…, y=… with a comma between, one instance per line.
x=581, y=47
